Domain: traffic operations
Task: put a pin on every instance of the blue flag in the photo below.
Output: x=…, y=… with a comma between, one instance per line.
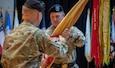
x=43, y=24
x=8, y=23
x=113, y=29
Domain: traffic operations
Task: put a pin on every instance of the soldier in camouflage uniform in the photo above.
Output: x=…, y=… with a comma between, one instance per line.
x=73, y=37
x=24, y=45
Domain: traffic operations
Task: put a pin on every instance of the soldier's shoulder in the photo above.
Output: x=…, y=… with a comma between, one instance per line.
x=74, y=28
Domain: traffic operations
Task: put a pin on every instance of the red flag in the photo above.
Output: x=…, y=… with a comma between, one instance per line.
x=95, y=53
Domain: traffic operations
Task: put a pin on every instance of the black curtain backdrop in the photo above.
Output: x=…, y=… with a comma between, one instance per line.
x=19, y=8
x=67, y=5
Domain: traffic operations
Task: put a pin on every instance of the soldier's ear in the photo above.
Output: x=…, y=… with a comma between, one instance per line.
x=38, y=14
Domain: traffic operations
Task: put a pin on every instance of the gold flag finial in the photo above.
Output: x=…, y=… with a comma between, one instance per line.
x=8, y=9
x=16, y=10
x=113, y=8
x=88, y=10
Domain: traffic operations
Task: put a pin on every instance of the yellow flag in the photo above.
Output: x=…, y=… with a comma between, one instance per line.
x=105, y=39
x=101, y=28
x=71, y=17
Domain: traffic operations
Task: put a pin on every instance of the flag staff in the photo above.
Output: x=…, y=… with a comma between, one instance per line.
x=114, y=22
x=0, y=9
x=87, y=64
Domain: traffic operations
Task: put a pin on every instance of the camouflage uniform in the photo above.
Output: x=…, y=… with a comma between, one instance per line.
x=24, y=46
x=76, y=39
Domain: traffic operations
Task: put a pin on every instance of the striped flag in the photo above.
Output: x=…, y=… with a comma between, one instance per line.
x=8, y=23
x=16, y=21
x=2, y=35
x=88, y=38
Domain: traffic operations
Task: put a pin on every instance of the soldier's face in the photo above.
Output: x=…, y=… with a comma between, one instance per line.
x=56, y=18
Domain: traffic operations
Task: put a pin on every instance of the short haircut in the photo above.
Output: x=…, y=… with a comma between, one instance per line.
x=35, y=4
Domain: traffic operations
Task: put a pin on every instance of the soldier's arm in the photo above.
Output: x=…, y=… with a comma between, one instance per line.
x=76, y=38
x=56, y=49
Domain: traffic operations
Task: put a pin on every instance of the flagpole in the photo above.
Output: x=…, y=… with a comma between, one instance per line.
x=113, y=65
x=87, y=64
x=0, y=9
x=114, y=42
x=8, y=9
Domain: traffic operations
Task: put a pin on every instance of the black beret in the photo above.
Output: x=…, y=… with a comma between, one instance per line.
x=56, y=8
x=35, y=4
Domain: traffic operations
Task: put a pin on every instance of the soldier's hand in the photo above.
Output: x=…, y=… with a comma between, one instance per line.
x=66, y=33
